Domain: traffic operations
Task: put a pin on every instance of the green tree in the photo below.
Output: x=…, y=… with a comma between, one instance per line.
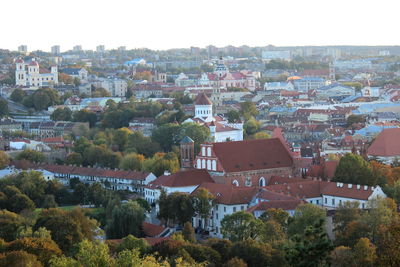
x=17, y=95
x=353, y=169
x=61, y=114
x=3, y=107
x=251, y=126
x=240, y=226
x=355, y=119
x=261, y=135
x=132, y=161
x=130, y=243
x=166, y=135
x=232, y=116
x=305, y=216
x=312, y=248
x=19, y=259
x=4, y=159
x=198, y=133
x=31, y=155
x=20, y=202
x=257, y=254
x=202, y=204
x=85, y=116
x=126, y=219
x=94, y=254
x=10, y=222
x=248, y=110
x=188, y=232
x=121, y=137
x=74, y=158
x=161, y=162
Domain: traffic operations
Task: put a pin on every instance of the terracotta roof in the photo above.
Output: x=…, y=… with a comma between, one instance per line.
x=252, y=155
x=347, y=190
x=152, y=230
x=267, y=195
x=229, y=194
x=202, y=99
x=276, y=204
x=33, y=63
x=300, y=190
x=386, y=144
x=184, y=178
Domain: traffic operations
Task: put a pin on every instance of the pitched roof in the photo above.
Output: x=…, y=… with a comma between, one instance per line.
x=386, y=143
x=187, y=140
x=202, y=99
x=347, y=190
x=300, y=190
x=252, y=155
x=276, y=204
x=184, y=178
x=152, y=230
x=228, y=194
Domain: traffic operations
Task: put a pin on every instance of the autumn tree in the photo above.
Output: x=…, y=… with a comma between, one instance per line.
x=188, y=232
x=61, y=114
x=240, y=226
x=4, y=159
x=202, y=204
x=132, y=161
x=305, y=216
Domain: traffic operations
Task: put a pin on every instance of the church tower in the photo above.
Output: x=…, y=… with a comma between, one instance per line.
x=220, y=69
x=187, y=153
x=203, y=107
x=20, y=73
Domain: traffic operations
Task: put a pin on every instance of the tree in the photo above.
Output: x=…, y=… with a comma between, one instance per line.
x=248, y=110
x=20, y=202
x=305, y=215
x=85, y=116
x=355, y=119
x=353, y=169
x=240, y=226
x=176, y=207
x=94, y=254
x=67, y=227
x=17, y=95
x=61, y=114
x=364, y=253
x=188, y=232
x=10, y=222
x=121, y=137
x=389, y=244
x=100, y=92
x=141, y=144
x=251, y=126
x=3, y=107
x=237, y=262
x=132, y=161
x=346, y=213
x=49, y=202
x=133, y=243
x=256, y=254
x=162, y=162
x=126, y=219
x=166, y=135
x=43, y=248
x=19, y=259
x=198, y=133
x=261, y=135
x=312, y=248
x=272, y=232
x=202, y=204
x=342, y=257
x=222, y=246
x=74, y=158
x=31, y=155
x=232, y=116
x=4, y=159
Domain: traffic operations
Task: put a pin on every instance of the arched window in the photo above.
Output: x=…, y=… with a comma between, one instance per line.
x=203, y=151
x=208, y=164
x=261, y=182
x=208, y=151
x=235, y=183
x=198, y=163
x=214, y=165
x=203, y=164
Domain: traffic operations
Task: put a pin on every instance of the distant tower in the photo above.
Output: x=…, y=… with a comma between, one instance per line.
x=20, y=73
x=203, y=107
x=220, y=69
x=54, y=71
x=187, y=153
x=332, y=73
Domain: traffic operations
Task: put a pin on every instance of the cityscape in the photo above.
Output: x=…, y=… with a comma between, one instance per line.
x=205, y=155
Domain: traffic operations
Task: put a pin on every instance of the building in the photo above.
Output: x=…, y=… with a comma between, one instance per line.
x=183, y=182
x=309, y=83
x=386, y=146
x=100, y=49
x=220, y=129
x=31, y=75
x=55, y=49
x=334, y=91
x=23, y=49
x=277, y=86
x=187, y=152
x=9, y=125
x=112, y=179
x=267, y=157
x=80, y=73
x=273, y=55
x=77, y=48
x=46, y=129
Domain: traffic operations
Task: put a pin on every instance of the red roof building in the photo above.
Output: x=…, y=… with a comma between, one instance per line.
x=386, y=146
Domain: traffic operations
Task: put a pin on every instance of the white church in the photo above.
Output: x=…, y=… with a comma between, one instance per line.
x=29, y=74
x=220, y=129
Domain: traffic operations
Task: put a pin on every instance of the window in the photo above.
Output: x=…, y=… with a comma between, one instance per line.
x=224, y=209
x=333, y=201
x=317, y=202
x=326, y=201
x=203, y=151
x=234, y=209
x=242, y=208
x=208, y=151
x=216, y=216
x=261, y=182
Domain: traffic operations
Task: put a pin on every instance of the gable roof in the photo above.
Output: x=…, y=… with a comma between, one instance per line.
x=386, y=143
x=183, y=178
x=228, y=194
x=252, y=155
x=152, y=230
x=276, y=204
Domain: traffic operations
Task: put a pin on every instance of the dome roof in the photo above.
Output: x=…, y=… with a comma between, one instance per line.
x=33, y=63
x=19, y=60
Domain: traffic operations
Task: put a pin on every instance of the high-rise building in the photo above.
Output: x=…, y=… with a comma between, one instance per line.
x=100, y=48
x=23, y=48
x=77, y=48
x=55, y=49
x=122, y=48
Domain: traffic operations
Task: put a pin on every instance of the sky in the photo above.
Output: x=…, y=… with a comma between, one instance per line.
x=165, y=24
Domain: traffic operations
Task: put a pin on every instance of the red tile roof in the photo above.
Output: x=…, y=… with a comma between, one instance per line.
x=277, y=204
x=347, y=191
x=386, y=144
x=183, y=178
x=229, y=194
x=152, y=230
x=202, y=99
x=252, y=155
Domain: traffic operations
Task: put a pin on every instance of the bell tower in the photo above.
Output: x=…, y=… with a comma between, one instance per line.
x=187, y=153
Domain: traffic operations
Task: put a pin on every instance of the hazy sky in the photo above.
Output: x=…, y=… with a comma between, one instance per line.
x=163, y=24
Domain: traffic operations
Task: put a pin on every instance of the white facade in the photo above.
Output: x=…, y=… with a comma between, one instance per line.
x=29, y=74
